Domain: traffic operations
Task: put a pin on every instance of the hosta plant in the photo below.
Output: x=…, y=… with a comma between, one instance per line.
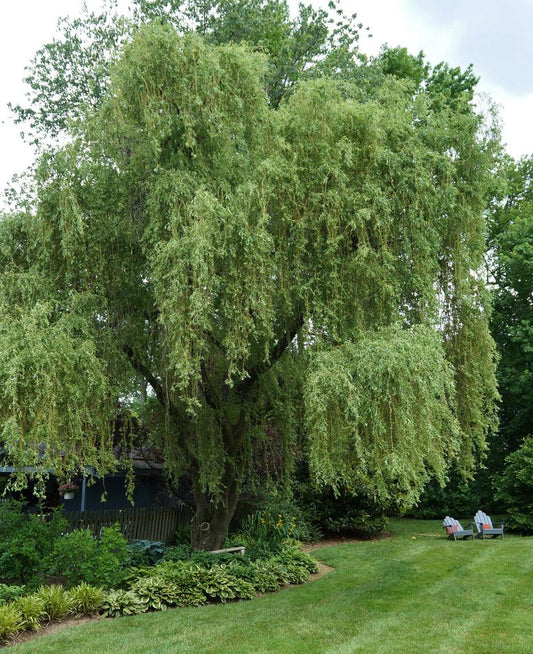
x=266, y=578
x=275, y=569
x=122, y=602
x=292, y=554
x=187, y=591
x=219, y=583
x=157, y=593
x=145, y=552
x=293, y=573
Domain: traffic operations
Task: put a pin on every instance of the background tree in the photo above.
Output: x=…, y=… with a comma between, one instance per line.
x=515, y=487
x=69, y=76
x=512, y=322
x=237, y=255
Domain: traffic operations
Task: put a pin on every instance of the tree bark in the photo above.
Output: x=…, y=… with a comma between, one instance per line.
x=211, y=520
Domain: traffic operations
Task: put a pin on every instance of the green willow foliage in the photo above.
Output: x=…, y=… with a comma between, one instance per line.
x=380, y=413
x=192, y=234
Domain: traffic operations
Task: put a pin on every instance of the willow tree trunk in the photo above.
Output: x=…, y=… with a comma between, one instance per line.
x=211, y=520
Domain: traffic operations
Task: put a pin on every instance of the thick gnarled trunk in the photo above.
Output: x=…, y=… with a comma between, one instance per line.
x=211, y=520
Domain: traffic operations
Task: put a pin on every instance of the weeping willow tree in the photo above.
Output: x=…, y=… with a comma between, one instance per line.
x=309, y=269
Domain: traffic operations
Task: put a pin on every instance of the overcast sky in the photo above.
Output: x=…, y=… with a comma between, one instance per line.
x=492, y=35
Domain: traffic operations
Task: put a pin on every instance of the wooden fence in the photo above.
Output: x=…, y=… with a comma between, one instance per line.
x=152, y=524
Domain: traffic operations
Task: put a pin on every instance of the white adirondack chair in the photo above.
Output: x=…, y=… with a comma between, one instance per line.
x=455, y=530
x=485, y=527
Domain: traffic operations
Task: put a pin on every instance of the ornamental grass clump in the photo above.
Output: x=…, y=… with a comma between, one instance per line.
x=85, y=599
x=56, y=602
x=32, y=610
x=11, y=622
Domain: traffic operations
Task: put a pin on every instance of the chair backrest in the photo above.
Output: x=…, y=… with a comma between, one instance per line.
x=451, y=525
x=482, y=520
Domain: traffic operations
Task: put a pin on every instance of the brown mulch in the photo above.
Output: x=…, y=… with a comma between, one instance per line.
x=343, y=540
x=323, y=569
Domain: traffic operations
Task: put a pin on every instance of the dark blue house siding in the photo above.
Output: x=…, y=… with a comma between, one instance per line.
x=147, y=493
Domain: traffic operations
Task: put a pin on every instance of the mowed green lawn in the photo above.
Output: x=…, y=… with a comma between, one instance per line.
x=413, y=592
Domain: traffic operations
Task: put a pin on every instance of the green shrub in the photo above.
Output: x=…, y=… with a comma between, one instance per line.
x=145, y=552
x=122, y=602
x=459, y=497
x=112, y=556
x=85, y=599
x=182, y=535
x=25, y=542
x=80, y=557
x=56, y=602
x=11, y=622
x=515, y=487
x=32, y=610
x=74, y=556
x=8, y=593
x=351, y=511
x=178, y=553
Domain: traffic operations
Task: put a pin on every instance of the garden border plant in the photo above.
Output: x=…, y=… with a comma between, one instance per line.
x=203, y=578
